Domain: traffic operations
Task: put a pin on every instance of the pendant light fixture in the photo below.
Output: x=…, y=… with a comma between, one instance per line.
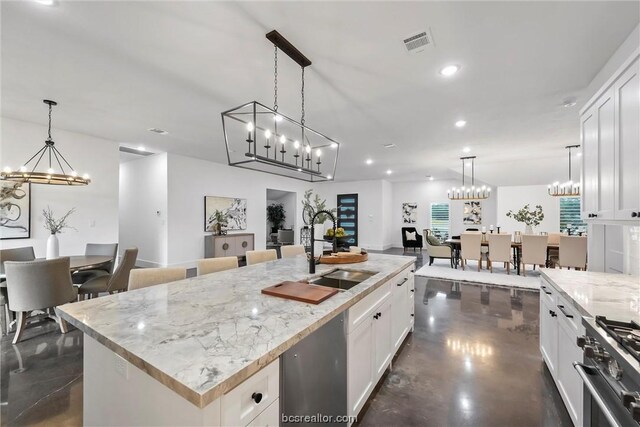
x=565, y=189
x=261, y=138
x=65, y=175
x=469, y=193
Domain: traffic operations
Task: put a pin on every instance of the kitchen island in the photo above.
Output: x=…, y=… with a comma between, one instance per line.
x=179, y=353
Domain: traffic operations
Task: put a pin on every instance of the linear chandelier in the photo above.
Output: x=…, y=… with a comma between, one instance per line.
x=469, y=193
x=261, y=138
x=50, y=176
x=565, y=189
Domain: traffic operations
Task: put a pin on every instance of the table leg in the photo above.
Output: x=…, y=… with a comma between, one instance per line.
x=518, y=255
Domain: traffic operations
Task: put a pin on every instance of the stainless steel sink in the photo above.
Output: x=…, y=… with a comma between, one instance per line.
x=342, y=279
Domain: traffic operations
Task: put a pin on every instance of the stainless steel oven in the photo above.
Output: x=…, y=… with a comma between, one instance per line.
x=610, y=372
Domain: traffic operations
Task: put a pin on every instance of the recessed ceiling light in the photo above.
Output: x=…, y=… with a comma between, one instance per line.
x=369, y=161
x=158, y=131
x=450, y=70
x=389, y=172
x=461, y=123
x=569, y=104
x=466, y=150
x=45, y=2
x=430, y=177
x=392, y=145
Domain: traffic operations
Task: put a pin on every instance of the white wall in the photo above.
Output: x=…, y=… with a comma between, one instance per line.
x=189, y=180
x=96, y=216
x=144, y=209
x=424, y=193
x=515, y=197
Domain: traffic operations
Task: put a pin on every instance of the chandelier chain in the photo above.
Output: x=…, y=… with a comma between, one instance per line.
x=302, y=97
x=275, y=79
x=49, y=130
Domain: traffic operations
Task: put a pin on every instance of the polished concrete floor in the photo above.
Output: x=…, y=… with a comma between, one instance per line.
x=473, y=360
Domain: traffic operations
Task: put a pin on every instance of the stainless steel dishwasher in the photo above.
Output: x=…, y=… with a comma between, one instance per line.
x=313, y=376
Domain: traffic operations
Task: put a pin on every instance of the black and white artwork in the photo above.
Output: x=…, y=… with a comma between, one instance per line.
x=15, y=210
x=409, y=212
x=472, y=214
x=234, y=211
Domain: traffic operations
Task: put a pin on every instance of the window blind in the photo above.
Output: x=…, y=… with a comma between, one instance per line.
x=440, y=220
x=570, y=214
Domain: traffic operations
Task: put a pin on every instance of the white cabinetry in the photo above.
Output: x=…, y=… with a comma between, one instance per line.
x=560, y=326
x=610, y=134
x=378, y=324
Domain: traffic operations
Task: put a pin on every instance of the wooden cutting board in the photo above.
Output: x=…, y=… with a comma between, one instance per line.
x=299, y=291
x=343, y=258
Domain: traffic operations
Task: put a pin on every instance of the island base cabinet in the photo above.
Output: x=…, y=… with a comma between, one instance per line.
x=361, y=365
x=117, y=393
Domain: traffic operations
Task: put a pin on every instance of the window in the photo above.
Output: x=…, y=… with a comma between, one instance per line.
x=570, y=215
x=440, y=220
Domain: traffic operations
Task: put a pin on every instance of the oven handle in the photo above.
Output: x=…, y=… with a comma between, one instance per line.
x=594, y=393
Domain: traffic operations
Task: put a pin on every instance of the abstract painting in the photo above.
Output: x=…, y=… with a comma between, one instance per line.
x=234, y=210
x=409, y=212
x=15, y=210
x=472, y=214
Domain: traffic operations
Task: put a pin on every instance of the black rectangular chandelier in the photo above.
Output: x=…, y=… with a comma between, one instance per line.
x=263, y=139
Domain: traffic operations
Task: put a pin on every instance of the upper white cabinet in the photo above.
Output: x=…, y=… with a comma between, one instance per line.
x=610, y=133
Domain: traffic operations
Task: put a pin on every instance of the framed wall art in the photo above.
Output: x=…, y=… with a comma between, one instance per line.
x=15, y=210
x=232, y=210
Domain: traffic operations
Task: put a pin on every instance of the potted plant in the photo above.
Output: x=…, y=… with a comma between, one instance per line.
x=276, y=216
x=55, y=226
x=220, y=220
x=311, y=206
x=529, y=218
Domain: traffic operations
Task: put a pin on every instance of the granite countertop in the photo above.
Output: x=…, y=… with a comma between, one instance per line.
x=616, y=296
x=203, y=336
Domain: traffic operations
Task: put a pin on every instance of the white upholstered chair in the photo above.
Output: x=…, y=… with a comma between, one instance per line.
x=534, y=251
x=470, y=248
x=214, y=265
x=256, y=257
x=144, y=277
x=290, y=251
x=499, y=250
x=573, y=252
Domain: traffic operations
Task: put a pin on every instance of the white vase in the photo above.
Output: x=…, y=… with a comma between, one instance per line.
x=528, y=230
x=53, y=247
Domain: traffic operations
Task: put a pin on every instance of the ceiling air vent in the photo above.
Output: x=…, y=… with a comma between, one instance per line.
x=390, y=145
x=418, y=42
x=158, y=131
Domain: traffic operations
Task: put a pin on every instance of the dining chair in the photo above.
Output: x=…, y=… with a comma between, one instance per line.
x=499, y=250
x=256, y=257
x=111, y=283
x=534, y=251
x=291, y=251
x=214, y=265
x=470, y=244
x=38, y=285
x=99, y=249
x=573, y=252
x=553, y=253
x=144, y=277
x=15, y=254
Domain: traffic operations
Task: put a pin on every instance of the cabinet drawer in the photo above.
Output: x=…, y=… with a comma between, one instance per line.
x=270, y=417
x=239, y=406
x=568, y=315
x=362, y=309
x=547, y=293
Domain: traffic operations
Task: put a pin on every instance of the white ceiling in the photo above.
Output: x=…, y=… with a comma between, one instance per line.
x=118, y=68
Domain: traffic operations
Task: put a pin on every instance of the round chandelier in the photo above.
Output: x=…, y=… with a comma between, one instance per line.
x=565, y=189
x=469, y=193
x=52, y=176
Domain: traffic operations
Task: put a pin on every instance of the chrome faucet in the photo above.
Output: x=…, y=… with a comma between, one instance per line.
x=312, y=259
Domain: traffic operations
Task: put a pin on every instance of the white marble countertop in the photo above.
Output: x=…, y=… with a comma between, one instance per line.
x=203, y=336
x=616, y=296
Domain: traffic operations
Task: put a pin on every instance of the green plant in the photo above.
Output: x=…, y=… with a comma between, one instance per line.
x=220, y=217
x=312, y=205
x=56, y=226
x=276, y=214
x=532, y=218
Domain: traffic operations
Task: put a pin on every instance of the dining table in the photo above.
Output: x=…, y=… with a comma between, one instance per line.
x=78, y=263
x=515, y=246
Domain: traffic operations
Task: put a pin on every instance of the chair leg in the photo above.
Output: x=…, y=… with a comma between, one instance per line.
x=524, y=271
x=20, y=327
x=490, y=265
x=64, y=328
x=508, y=267
x=480, y=263
x=3, y=320
x=430, y=260
x=462, y=263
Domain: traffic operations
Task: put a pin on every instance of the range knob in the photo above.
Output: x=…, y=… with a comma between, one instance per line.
x=634, y=408
x=585, y=340
x=629, y=397
x=596, y=352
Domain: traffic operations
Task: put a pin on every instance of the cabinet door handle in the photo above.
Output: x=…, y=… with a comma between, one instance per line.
x=413, y=290
x=634, y=214
x=375, y=316
x=561, y=308
x=379, y=314
x=553, y=313
x=403, y=282
x=544, y=289
x=257, y=397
